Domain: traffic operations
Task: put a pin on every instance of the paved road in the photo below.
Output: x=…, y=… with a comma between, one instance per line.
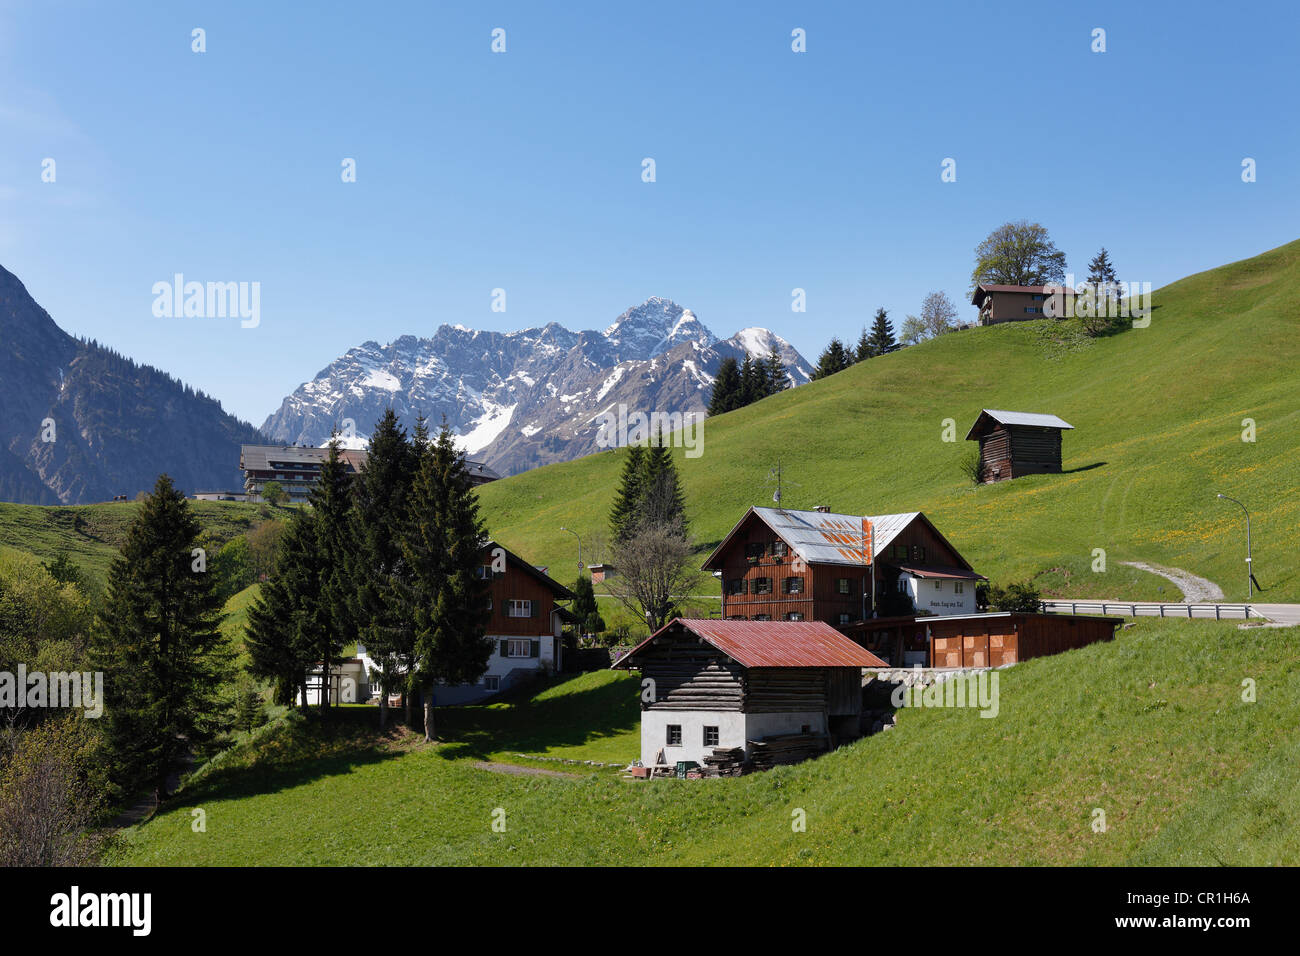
x=1285, y=614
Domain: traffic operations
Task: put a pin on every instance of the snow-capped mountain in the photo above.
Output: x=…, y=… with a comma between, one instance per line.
x=522, y=399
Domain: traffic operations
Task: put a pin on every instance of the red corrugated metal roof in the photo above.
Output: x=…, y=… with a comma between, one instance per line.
x=772, y=643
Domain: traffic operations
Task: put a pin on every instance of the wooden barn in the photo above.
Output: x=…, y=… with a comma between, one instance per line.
x=717, y=685
x=1013, y=444
x=980, y=640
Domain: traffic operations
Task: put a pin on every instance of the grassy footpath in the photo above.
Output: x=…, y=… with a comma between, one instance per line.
x=1151, y=729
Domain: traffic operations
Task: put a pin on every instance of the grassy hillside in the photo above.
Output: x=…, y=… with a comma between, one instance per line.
x=1151, y=729
x=1158, y=423
x=91, y=534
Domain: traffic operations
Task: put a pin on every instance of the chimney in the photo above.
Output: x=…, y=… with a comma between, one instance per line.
x=824, y=509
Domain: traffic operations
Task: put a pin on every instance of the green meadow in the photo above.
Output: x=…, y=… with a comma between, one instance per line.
x=1151, y=730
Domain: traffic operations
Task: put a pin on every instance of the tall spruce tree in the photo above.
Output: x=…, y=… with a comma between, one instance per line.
x=882, y=341
x=447, y=599
x=776, y=374
x=661, y=503
x=335, y=527
x=862, y=351
x=624, y=516
x=753, y=382
x=287, y=622
x=585, y=607
x=1101, y=273
x=381, y=500
x=726, y=388
x=159, y=644
x=834, y=358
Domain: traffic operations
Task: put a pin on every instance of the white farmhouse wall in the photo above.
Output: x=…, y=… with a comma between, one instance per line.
x=501, y=668
x=939, y=596
x=734, y=730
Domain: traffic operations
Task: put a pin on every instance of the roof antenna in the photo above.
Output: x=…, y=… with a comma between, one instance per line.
x=775, y=475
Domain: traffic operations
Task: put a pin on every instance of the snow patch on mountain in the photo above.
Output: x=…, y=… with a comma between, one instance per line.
x=521, y=399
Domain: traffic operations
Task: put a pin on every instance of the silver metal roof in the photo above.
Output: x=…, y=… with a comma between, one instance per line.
x=828, y=538
x=1026, y=418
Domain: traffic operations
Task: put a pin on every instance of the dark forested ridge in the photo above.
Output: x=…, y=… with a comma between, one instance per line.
x=116, y=424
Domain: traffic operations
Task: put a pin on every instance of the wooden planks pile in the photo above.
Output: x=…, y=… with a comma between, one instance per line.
x=725, y=762
x=785, y=749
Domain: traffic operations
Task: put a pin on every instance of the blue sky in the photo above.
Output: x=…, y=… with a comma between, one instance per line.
x=522, y=170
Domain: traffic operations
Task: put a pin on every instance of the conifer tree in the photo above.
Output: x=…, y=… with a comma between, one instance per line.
x=834, y=358
x=753, y=383
x=726, y=388
x=882, y=341
x=287, y=622
x=159, y=645
x=447, y=599
x=662, y=502
x=381, y=501
x=585, y=607
x=863, y=350
x=776, y=374
x=1101, y=274
x=335, y=529
x=624, y=515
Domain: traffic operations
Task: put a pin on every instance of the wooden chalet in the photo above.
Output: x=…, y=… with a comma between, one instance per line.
x=726, y=685
x=1013, y=444
x=783, y=565
x=1012, y=303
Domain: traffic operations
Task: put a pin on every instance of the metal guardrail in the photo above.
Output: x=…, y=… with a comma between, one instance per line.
x=1139, y=609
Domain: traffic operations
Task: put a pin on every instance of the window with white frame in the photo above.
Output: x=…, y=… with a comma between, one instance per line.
x=938, y=585
x=958, y=587
x=520, y=608
x=492, y=682
x=519, y=648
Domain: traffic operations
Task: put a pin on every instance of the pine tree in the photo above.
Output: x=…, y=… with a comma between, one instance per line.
x=834, y=358
x=661, y=503
x=287, y=622
x=882, y=341
x=776, y=374
x=336, y=543
x=726, y=388
x=1101, y=274
x=752, y=382
x=623, y=516
x=160, y=646
x=862, y=351
x=447, y=600
x=585, y=607
x=381, y=500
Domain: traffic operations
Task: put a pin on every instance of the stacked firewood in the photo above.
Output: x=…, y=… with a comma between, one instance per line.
x=785, y=749
x=725, y=762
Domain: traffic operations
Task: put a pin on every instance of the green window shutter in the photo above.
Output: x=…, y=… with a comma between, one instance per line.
x=505, y=648
x=536, y=649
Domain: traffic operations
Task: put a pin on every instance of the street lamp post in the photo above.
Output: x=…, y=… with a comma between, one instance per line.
x=579, y=537
x=1250, y=572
